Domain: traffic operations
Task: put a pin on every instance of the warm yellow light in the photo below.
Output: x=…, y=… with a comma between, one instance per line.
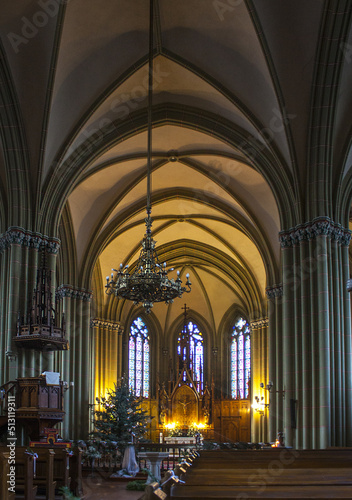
x=171, y=425
x=199, y=426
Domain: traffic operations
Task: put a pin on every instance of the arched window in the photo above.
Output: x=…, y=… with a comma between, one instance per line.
x=196, y=352
x=138, y=358
x=240, y=359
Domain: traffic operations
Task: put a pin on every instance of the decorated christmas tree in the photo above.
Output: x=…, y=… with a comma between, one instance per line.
x=120, y=418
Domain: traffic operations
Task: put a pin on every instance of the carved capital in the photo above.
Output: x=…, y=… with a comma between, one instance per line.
x=259, y=323
x=73, y=293
x=274, y=291
x=23, y=237
x=102, y=323
x=321, y=226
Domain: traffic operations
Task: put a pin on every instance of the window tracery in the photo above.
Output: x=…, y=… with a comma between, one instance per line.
x=240, y=363
x=139, y=358
x=196, y=352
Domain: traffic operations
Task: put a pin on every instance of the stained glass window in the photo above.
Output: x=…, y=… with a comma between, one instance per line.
x=196, y=353
x=240, y=354
x=138, y=358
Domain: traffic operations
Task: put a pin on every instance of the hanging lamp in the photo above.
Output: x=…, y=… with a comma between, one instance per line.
x=148, y=282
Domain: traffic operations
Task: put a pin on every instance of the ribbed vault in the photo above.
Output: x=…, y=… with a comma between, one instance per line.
x=240, y=90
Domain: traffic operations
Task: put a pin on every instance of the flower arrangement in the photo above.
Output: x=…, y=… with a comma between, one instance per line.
x=175, y=430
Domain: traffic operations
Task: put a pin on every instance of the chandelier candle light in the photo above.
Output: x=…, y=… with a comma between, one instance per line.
x=148, y=283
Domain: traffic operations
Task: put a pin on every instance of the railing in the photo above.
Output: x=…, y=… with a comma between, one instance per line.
x=176, y=453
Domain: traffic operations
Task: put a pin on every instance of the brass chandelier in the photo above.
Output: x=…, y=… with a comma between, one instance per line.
x=148, y=282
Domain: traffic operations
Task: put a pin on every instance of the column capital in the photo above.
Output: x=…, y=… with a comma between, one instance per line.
x=274, y=291
x=74, y=293
x=320, y=226
x=259, y=323
x=103, y=323
x=20, y=236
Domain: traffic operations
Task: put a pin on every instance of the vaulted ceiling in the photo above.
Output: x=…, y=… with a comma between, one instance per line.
x=237, y=86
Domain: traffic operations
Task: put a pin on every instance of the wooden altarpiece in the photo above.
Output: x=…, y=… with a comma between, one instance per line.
x=183, y=403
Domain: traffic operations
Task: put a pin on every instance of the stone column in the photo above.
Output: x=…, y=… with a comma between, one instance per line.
x=316, y=335
x=19, y=260
x=346, y=341
x=275, y=294
x=75, y=364
x=107, y=347
x=259, y=374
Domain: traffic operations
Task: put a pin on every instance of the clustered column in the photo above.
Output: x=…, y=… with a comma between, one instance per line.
x=20, y=256
x=75, y=365
x=316, y=330
x=276, y=424
x=107, y=355
x=259, y=371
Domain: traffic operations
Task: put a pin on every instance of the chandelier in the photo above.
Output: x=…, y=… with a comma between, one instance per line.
x=148, y=282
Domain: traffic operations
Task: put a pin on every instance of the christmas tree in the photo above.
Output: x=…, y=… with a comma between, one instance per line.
x=120, y=418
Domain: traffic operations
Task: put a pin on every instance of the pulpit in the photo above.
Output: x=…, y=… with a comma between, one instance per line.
x=39, y=403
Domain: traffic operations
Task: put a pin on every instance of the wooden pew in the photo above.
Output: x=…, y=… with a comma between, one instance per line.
x=24, y=473
x=185, y=492
x=293, y=458
x=268, y=474
x=44, y=470
x=67, y=468
x=54, y=468
x=5, y=494
x=284, y=476
x=62, y=465
x=76, y=473
x=44, y=477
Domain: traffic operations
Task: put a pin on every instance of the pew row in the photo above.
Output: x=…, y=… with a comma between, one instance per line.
x=5, y=493
x=276, y=474
x=44, y=473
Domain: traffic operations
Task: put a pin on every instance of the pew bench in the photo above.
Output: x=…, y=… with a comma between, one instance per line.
x=53, y=469
x=5, y=494
x=272, y=474
x=185, y=492
x=43, y=477
x=288, y=457
x=24, y=472
x=256, y=477
x=76, y=473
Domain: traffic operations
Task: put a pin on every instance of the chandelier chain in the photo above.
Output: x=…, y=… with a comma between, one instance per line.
x=148, y=282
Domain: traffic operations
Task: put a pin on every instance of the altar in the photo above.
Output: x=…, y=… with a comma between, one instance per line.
x=180, y=440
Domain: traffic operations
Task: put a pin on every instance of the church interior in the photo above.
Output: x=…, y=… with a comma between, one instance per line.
x=250, y=185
